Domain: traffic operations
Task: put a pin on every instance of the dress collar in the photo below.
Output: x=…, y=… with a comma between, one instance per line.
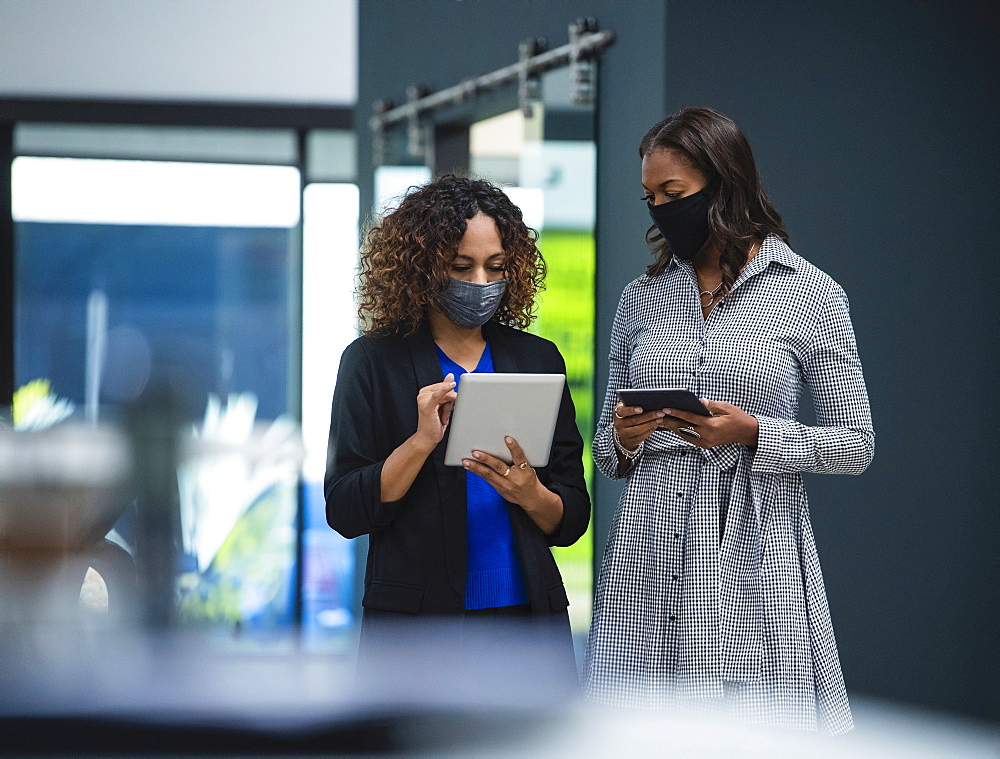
x=772, y=250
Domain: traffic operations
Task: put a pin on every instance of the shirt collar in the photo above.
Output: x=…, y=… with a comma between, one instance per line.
x=772, y=250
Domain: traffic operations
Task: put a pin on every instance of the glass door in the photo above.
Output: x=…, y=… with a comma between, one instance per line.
x=544, y=157
x=546, y=162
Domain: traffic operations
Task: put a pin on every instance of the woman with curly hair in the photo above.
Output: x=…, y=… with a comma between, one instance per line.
x=448, y=282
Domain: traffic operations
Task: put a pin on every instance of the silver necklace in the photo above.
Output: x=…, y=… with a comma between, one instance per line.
x=710, y=294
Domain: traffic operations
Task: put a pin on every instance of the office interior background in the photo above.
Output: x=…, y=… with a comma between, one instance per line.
x=184, y=184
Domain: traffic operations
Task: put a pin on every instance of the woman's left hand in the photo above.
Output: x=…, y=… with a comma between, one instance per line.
x=728, y=424
x=518, y=483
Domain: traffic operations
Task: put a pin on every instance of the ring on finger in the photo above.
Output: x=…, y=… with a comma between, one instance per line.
x=523, y=465
x=616, y=414
x=688, y=431
x=506, y=473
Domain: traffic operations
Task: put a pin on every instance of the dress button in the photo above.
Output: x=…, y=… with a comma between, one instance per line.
x=675, y=577
x=673, y=618
x=680, y=494
x=676, y=535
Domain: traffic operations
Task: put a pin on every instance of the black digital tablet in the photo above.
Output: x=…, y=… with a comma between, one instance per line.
x=653, y=399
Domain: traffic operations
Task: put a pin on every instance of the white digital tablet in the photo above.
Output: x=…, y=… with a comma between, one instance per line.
x=492, y=406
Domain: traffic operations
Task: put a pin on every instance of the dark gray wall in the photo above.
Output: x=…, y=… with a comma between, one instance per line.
x=875, y=129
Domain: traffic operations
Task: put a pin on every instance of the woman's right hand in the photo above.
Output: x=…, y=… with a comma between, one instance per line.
x=434, y=405
x=633, y=426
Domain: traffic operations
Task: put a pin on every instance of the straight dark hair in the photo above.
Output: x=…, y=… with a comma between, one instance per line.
x=739, y=212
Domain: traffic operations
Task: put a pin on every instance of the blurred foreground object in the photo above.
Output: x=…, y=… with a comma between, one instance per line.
x=446, y=688
x=238, y=479
x=61, y=491
x=35, y=407
x=168, y=694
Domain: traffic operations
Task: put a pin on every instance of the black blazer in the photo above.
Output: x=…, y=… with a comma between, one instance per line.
x=417, y=550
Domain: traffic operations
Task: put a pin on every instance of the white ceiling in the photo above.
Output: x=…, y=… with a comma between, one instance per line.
x=275, y=51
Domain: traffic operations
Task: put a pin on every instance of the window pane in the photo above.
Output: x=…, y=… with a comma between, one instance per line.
x=132, y=270
x=329, y=324
x=331, y=155
x=162, y=143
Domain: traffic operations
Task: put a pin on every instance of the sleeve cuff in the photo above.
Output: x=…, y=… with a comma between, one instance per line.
x=603, y=452
x=767, y=457
x=575, y=519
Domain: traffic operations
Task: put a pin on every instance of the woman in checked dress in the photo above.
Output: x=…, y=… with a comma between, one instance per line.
x=710, y=597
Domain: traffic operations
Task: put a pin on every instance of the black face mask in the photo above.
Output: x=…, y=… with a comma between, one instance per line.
x=683, y=223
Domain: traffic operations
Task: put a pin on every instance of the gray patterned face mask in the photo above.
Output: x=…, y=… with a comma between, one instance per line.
x=470, y=304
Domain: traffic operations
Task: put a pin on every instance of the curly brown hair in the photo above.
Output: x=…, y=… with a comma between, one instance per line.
x=406, y=254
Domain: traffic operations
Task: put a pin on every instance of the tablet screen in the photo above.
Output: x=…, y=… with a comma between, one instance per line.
x=491, y=406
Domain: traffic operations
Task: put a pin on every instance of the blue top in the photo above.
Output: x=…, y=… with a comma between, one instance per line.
x=494, y=573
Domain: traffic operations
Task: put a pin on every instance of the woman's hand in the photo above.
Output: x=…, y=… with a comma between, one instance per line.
x=633, y=426
x=728, y=424
x=434, y=406
x=518, y=483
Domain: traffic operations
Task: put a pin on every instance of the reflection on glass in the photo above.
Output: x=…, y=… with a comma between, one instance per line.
x=547, y=165
x=392, y=183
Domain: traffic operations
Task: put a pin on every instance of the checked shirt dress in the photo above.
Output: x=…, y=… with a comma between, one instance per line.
x=710, y=596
